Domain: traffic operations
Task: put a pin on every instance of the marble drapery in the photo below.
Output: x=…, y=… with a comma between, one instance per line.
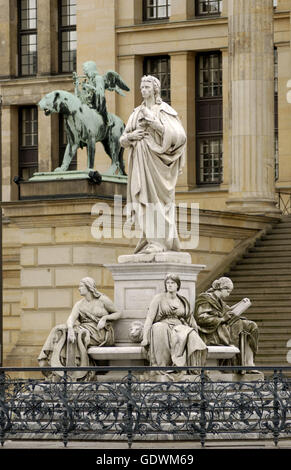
x=153, y=168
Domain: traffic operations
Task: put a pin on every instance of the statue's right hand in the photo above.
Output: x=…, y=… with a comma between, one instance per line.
x=138, y=134
x=71, y=335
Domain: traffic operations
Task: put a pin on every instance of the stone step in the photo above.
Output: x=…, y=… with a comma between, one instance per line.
x=264, y=275
x=267, y=296
x=265, y=303
x=259, y=280
x=273, y=344
x=285, y=235
x=262, y=260
x=272, y=358
x=272, y=323
x=280, y=266
x=281, y=229
x=274, y=242
x=280, y=312
x=280, y=332
x=267, y=274
x=266, y=248
x=253, y=289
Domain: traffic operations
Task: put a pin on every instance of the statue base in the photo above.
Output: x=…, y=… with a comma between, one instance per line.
x=69, y=184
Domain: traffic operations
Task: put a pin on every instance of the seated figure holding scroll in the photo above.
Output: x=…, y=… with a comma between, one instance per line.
x=89, y=324
x=220, y=324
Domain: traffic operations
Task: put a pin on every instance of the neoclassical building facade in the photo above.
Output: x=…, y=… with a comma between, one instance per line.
x=223, y=65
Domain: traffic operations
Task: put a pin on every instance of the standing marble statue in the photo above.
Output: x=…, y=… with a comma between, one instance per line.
x=89, y=324
x=220, y=324
x=156, y=140
x=170, y=332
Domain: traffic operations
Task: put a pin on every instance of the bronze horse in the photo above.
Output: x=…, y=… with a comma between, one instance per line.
x=84, y=127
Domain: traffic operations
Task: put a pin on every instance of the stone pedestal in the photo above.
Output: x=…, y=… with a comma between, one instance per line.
x=136, y=283
x=68, y=184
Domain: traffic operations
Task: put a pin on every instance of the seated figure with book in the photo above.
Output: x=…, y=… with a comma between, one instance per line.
x=220, y=324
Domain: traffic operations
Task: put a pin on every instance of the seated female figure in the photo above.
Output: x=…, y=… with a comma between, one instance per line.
x=170, y=331
x=89, y=324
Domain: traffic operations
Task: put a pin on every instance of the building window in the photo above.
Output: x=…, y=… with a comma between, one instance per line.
x=209, y=147
x=208, y=7
x=156, y=9
x=159, y=66
x=276, y=125
x=67, y=36
x=63, y=144
x=28, y=141
x=27, y=37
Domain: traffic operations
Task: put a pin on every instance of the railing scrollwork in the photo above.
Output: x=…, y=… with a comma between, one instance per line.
x=196, y=407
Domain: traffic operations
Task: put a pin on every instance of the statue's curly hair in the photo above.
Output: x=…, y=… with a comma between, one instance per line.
x=222, y=282
x=157, y=86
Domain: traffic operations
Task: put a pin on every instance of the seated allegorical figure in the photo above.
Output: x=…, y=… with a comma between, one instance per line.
x=89, y=324
x=170, y=331
x=220, y=324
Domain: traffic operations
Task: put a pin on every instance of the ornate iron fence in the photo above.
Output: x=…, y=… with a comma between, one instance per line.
x=284, y=202
x=193, y=407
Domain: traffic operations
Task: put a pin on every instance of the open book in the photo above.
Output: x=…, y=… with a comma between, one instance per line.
x=239, y=308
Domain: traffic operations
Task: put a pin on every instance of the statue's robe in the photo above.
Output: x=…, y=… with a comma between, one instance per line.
x=219, y=326
x=172, y=334
x=153, y=168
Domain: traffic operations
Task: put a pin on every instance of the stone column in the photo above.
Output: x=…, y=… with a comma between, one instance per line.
x=9, y=152
x=131, y=69
x=225, y=124
x=8, y=28
x=47, y=142
x=251, y=69
x=46, y=37
x=284, y=117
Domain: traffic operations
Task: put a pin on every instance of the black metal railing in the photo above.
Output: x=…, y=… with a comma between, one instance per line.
x=131, y=404
x=284, y=202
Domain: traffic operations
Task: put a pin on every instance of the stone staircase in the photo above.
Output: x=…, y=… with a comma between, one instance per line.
x=264, y=275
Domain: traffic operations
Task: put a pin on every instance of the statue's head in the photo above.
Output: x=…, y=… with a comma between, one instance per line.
x=89, y=67
x=172, y=277
x=223, y=285
x=135, y=331
x=156, y=84
x=88, y=284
